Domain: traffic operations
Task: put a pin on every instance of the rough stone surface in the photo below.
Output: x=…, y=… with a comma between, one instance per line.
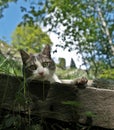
x=103, y=83
x=96, y=105
x=99, y=104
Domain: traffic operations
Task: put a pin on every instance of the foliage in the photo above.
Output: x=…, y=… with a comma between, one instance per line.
x=107, y=74
x=9, y=60
x=72, y=63
x=87, y=26
x=89, y=114
x=9, y=66
x=4, y=4
x=29, y=37
x=70, y=73
x=10, y=121
x=72, y=103
x=62, y=63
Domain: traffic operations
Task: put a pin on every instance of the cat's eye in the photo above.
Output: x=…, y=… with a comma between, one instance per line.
x=45, y=64
x=33, y=67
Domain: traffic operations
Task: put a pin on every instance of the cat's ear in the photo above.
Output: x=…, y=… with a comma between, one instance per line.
x=47, y=51
x=24, y=56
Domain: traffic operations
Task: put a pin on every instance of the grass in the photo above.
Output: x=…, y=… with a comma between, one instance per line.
x=9, y=66
x=70, y=73
x=12, y=67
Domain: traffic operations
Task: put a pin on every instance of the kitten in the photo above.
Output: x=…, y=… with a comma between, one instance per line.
x=41, y=66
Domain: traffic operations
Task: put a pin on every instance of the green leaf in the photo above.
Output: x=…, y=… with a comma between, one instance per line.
x=9, y=122
x=71, y=103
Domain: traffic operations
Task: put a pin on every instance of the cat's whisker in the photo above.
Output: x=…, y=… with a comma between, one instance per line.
x=41, y=66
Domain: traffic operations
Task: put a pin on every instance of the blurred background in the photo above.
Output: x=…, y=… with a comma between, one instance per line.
x=81, y=33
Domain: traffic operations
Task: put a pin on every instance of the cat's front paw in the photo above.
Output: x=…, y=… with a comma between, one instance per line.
x=81, y=83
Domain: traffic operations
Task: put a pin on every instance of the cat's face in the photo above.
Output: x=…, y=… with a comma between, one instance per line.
x=38, y=66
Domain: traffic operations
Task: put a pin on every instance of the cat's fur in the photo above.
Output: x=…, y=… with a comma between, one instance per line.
x=41, y=66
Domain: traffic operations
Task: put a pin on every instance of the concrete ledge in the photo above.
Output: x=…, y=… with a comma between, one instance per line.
x=92, y=106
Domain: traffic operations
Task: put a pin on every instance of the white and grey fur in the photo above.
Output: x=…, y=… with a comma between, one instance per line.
x=41, y=66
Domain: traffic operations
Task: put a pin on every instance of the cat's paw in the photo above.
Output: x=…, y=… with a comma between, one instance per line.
x=81, y=83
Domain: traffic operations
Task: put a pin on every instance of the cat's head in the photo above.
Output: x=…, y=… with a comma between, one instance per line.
x=39, y=66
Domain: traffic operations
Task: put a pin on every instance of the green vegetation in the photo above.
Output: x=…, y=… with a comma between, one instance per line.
x=10, y=63
x=88, y=26
x=62, y=63
x=9, y=66
x=70, y=73
x=74, y=104
x=3, y=5
x=9, y=60
x=29, y=37
x=107, y=74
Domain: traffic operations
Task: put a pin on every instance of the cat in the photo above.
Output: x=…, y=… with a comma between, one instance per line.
x=40, y=66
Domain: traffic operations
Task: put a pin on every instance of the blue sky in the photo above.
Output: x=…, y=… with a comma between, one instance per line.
x=12, y=17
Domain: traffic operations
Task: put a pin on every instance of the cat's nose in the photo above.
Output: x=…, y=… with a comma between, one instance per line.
x=41, y=73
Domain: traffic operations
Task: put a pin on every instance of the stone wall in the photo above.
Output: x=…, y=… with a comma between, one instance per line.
x=93, y=106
